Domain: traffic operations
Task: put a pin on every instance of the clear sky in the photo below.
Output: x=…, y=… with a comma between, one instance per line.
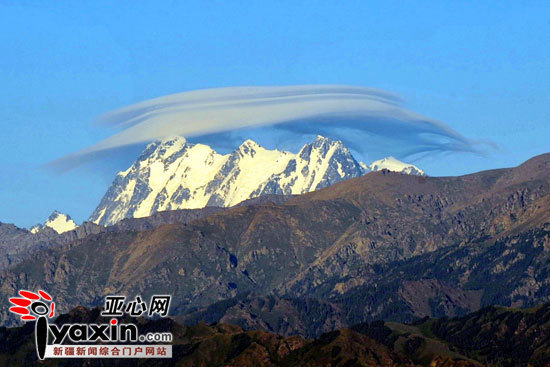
x=481, y=67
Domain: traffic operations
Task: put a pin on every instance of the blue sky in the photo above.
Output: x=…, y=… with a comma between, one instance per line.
x=483, y=68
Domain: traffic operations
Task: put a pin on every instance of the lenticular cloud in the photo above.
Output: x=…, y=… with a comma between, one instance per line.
x=353, y=114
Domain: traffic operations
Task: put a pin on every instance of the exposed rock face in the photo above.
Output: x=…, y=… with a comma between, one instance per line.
x=174, y=174
x=491, y=337
x=287, y=316
x=17, y=244
x=500, y=336
x=381, y=246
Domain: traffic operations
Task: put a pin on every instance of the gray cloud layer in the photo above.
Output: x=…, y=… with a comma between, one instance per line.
x=364, y=118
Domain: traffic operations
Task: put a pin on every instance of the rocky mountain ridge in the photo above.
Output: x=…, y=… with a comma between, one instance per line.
x=491, y=337
x=174, y=174
x=383, y=245
x=57, y=221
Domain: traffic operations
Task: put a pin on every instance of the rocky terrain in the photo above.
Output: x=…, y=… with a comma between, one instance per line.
x=381, y=246
x=490, y=337
x=17, y=244
x=174, y=174
x=57, y=221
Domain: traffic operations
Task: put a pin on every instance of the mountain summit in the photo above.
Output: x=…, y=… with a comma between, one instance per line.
x=395, y=165
x=174, y=174
x=57, y=221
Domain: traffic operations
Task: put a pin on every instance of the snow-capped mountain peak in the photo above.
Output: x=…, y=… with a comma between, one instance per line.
x=164, y=148
x=249, y=147
x=392, y=164
x=60, y=222
x=249, y=143
x=321, y=140
x=36, y=228
x=57, y=221
x=174, y=174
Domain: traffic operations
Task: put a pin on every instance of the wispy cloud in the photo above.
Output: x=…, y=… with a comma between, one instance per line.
x=366, y=119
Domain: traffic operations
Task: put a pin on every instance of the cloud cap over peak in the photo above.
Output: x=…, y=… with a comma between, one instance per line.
x=361, y=117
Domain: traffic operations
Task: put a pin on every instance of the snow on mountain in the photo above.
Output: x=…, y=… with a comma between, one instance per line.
x=59, y=222
x=173, y=174
x=394, y=165
x=36, y=228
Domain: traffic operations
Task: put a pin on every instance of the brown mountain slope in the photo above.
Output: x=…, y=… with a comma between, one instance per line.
x=490, y=337
x=331, y=243
x=227, y=345
x=404, y=216
x=18, y=244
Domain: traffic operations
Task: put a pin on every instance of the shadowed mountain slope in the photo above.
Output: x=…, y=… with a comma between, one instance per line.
x=384, y=245
x=490, y=337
